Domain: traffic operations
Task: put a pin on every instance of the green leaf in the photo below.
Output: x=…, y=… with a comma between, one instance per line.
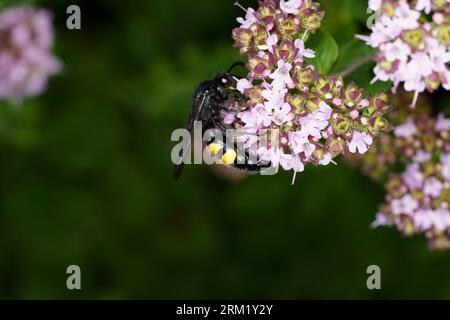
x=326, y=49
x=350, y=52
x=356, y=52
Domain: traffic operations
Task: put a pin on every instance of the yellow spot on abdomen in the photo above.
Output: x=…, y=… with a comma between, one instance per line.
x=214, y=148
x=229, y=157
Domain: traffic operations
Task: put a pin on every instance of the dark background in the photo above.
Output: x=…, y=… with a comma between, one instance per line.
x=85, y=178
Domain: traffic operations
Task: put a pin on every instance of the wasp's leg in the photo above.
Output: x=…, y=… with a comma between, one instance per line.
x=216, y=117
x=218, y=123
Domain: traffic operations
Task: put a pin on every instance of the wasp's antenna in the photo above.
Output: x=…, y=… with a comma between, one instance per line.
x=237, y=64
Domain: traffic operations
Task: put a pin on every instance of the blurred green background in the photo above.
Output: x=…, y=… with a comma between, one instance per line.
x=85, y=178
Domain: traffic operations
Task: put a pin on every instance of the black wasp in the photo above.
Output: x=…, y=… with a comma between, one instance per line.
x=210, y=98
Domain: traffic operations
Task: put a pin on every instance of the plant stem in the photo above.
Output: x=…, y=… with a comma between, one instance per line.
x=355, y=65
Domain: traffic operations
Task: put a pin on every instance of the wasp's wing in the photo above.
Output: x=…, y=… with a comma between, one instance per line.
x=199, y=102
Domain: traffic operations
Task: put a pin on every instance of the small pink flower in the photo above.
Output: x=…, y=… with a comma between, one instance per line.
x=297, y=141
x=327, y=159
x=256, y=117
x=283, y=114
x=271, y=42
x=397, y=50
x=312, y=126
x=413, y=177
x=442, y=123
x=422, y=219
x=438, y=18
x=324, y=111
x=292, y=162
x=406, y=130
x=228, y=117
x=446, y=80
x=302, y=51
x=360, y=142
x=274, y=97
x=281, y=77
x=250, y=19
x=406, y=18
x=264, y=115
x=269, y=154
x=412, y=74
x=424, y=5
x=381, y=219
x=290, y=7
x=441, y=219
x=421, y=156
x=375, y=5
x=445, y=161
x=243, y=84
x=406, y=205
x=432, y=187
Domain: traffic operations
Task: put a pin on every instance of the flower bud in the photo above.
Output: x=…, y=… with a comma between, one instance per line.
x=327, y=86
x=341, y=125
x=337, y=83
x=442, y=34
x=303, y=77
x=415, y=38
x=310, y=19
x=378, y=124
x=432, y=82
x=285, y=50
x=381, y=102
x=317, y=155
x=388, y=9
x=267, y=14
x=287, y=27
x=439, y=4
x=313, y=102
x=322, y=87
x=242, y=39
x=395, y=186
x=255, y=95
x=297, y=101
x=352, y=95
x=335, y=145
x=260, y=65
x=259, y=36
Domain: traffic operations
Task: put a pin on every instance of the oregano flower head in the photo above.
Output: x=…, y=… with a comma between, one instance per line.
x=390, y=150
x=317, y=116
x=26, y=38
x=418, y=200
x=413, y=43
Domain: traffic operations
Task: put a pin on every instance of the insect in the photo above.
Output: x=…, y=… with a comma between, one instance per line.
x=210, y=98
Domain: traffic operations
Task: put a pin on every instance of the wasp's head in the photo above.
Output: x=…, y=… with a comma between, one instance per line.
x=223, y=83
x=224, y=80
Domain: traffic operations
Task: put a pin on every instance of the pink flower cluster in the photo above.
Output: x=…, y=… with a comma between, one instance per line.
x=26, y=38
x=418, y=200
x=316, y=116
x=387, y=151
x=412, y=38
